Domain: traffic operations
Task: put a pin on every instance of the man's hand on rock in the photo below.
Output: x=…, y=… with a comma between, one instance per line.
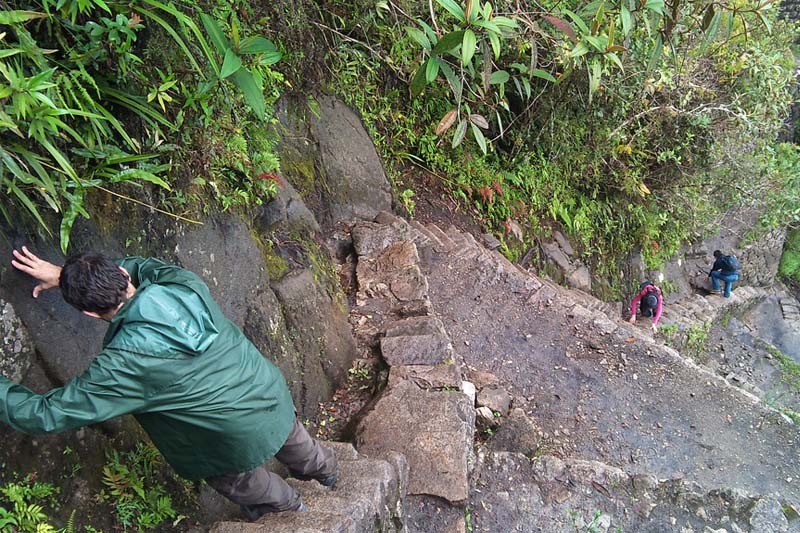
x=655, y=328
x=632, y=319
x=47, y=273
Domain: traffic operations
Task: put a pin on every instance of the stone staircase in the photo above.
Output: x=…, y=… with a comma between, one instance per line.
x=670, y=502
x=369, y=496
x=415, y=460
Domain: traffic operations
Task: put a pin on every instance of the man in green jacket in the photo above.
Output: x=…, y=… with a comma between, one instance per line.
x=212, y=404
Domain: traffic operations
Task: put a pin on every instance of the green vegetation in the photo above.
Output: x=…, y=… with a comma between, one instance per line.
x=87, y=104
x=623, y=123
x=790, y=370
x=23, y=504
x=696, y=337
x=790, y=260
x=135, y=488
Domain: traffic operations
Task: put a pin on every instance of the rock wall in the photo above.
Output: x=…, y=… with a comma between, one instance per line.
x=329, y=157
x=268, y=269
x=790, y=9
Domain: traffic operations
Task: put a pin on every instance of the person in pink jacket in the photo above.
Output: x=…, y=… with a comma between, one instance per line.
x=649, y=302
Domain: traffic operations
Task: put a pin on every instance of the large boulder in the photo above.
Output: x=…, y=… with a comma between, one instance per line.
x=329, y=157
x=433, y=429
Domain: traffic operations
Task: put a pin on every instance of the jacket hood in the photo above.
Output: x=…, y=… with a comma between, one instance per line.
x=168, y=320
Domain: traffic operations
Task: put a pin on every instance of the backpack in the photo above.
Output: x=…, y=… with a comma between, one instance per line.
x=649, y=301
x=731, y=264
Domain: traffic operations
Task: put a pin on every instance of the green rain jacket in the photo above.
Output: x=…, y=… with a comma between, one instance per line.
x=211, y=403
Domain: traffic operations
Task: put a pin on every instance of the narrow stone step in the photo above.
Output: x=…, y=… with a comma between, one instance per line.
x=362, y=500
x=418, y=325
x=456, y=236
x=310, y=522
x=385, y=217
x=425, y=233
x=446, y=241
x=366, y=490
x=416, y=349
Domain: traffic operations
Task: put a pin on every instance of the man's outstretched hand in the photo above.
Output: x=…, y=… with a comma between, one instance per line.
x=47, y=273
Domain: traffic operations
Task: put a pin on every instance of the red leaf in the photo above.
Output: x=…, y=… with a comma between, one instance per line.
x=496, y=186
x=272, y=177
x=564, y=26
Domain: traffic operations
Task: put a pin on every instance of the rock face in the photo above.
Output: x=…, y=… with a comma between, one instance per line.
x=16, y=350
x=298, y=321
x=328, y=155
x=759, y=257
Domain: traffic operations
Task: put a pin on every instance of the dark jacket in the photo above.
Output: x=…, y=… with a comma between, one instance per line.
x=210, y=402
x=721, y=265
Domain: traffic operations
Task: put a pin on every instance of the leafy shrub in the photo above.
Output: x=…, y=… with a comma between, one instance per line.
x=135, y=489
x=77, y=101
x=789, y=266
x=23, y=506
x=615, y=121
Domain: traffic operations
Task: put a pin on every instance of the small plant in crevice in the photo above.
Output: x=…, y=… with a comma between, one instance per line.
x=135, y=487
x=696, y=337
x=23, y=504
x=790, y=369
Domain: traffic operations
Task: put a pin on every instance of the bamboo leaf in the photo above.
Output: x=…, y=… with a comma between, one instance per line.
x=578, y=22
x=627, y=19
x=580, y=50
x=257, y=45
x=231, y=64
x=458, y=135
x=419, y=36
x=539, y=73
x=16, y=16
x=479, y=120
x=765, y=21
x=453, y=8
x=176, y=37
x=138, y=175
x=432, y=70
x=419, y=81
x=428, y=31
x=215, y=32
x=452, y=80
x=655, y=57
x=448, y=42
x=478, y=134
x=487, y=25
x=253, y=94
x=495, y=41
x=270, y=58
x=615, y=58
x=468, y=47
x=23, y=198
x=564, y=26
x=505, y=22
x=499, y=77
x=656, y=6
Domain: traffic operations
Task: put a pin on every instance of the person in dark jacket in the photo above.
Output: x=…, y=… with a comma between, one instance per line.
x=214, y=406
x=649, y=302
x=723, y=270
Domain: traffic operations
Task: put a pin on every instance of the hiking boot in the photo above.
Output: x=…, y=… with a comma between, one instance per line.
x=329, y=480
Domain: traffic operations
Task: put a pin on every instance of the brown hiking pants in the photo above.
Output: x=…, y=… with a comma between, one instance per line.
x=260, y=491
